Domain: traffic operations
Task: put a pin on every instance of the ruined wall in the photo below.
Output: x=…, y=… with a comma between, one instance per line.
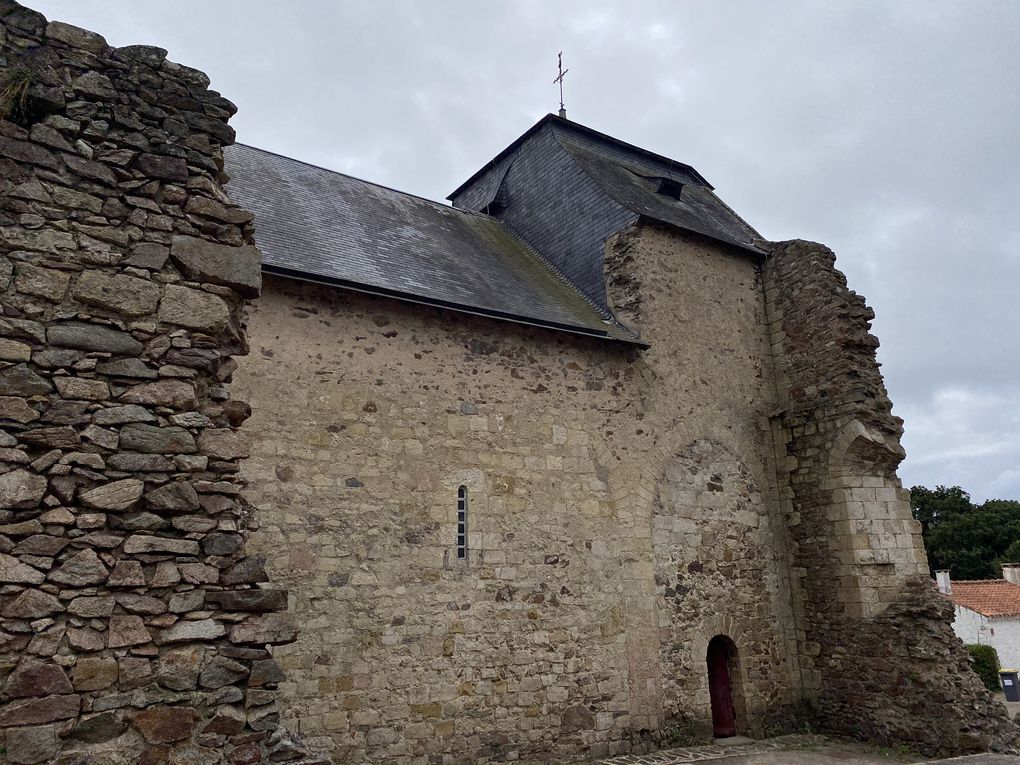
x=578, y=625
x=134, y=627
x=878, y=655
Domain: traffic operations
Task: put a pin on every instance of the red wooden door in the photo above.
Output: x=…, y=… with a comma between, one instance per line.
x=724, y=721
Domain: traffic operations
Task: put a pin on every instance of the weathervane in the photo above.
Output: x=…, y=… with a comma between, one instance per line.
x=559, y=79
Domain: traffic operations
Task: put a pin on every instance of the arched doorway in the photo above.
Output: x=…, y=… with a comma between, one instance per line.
x=720, y=653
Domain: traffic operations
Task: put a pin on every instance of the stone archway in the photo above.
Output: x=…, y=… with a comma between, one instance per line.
x=879, y=540
x=721, y=654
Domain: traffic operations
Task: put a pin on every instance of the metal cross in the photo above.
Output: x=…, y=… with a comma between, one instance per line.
x=559, y=79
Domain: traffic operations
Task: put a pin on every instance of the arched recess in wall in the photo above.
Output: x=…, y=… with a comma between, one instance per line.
x=876, y=538
x=735, y=637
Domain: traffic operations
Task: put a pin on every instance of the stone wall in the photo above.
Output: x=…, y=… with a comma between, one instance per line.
x=879, y=656
x=621, y=512
x=134, y=627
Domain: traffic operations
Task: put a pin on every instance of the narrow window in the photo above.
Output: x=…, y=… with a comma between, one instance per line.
x=462, y=523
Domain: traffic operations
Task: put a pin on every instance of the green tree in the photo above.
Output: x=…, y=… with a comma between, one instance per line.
x=932, y=506
x=972, y=541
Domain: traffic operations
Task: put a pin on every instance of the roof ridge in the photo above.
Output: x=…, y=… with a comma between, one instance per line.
x=984, y=581
x=602, y=311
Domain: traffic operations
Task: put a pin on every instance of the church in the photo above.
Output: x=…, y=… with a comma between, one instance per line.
x=577, y=464
x=298, y=468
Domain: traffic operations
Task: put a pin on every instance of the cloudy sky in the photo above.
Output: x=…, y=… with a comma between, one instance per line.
x=888, y=130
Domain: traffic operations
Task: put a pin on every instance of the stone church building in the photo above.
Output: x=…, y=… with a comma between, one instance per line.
x=577, y=465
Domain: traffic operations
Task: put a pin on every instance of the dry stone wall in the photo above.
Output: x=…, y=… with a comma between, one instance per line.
x=134, y=627
x=878, y=654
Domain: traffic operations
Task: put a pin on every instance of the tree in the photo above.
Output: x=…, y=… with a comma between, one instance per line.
x=972, y=541
x=931, y=506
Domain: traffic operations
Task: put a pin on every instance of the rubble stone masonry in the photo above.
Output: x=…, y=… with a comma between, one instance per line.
x=134, y=626
x=878, y=655
x=622, y=511
x=623, y=506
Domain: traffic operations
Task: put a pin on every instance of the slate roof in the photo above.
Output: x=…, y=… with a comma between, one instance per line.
x=318, y=225
x=628, y=174
x=989, y=597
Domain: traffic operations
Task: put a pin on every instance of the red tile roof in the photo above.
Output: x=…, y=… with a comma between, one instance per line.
x=990, y=597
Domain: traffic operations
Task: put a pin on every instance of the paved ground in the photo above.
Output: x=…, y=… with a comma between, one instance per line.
x=796, y=750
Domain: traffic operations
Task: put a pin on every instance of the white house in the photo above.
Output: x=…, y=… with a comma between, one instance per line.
x=988, y=611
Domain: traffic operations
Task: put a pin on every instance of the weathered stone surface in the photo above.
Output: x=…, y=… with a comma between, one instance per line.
x=140, y=604
x=135, y=368
x=95, y=729
x=127, y=630
x=55, y=437
x=149, y=255
x=272, y=628
x=140, y=463
x=211, y=208
x=227, y=721
x=222, y=671
x=223, y=444
x=138, y=543
x=94, y=673
x=86, y=639
x=175, y=393
x=82, y=388
x=76, y=37
x=192, y=308
x=187, y=631
x=126, y=295
x=33, y=604
x=15, y=572
x=178, y=669
x=249, y=600
x=161, y=725
x=20, y=489
x=576, y=718
x=249, y=570
x=14, y=350
x=46, y=283
x=22, y=329
x=201, y=260
x=126, y=573
x=82, y=570
x=91, y=606
x=33, y=678
x=36, y=711
x=20, y=380
x=92, y=83
x=183, y=602
x=176, y=497
x=116, y=496
x=120, y=415
x=221, y=544
x=160, y=166
x=122, y=156
x=92, y=337
x=151, y=439
x=32, y=744
x=17, y=409
x=266, y=672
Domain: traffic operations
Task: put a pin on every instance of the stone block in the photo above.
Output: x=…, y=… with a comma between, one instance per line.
x=239, y=268
x=127, y=295
x=20, y=490
x=116, y=496
x=186, y=307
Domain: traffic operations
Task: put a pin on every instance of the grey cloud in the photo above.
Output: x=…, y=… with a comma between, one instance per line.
x=886, y=130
